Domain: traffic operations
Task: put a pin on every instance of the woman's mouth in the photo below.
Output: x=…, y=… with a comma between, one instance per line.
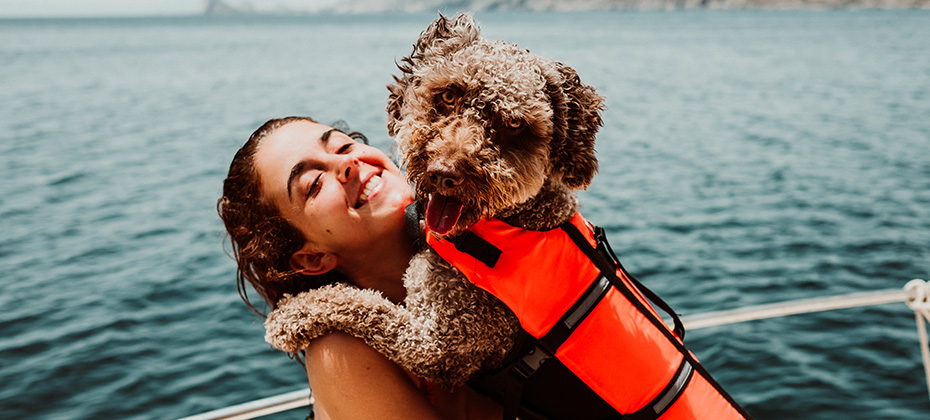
x=371, y=187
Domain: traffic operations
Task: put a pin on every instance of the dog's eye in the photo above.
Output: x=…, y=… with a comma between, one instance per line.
x=513, y=123
x=447, y=97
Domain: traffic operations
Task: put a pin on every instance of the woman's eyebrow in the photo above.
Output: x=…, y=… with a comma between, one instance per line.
x=295, y=172
x=301, y=166
x=325, y=137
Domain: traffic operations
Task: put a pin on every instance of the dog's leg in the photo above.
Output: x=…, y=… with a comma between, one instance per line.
x=472, y=329
x=308, y=315
x=445, y=331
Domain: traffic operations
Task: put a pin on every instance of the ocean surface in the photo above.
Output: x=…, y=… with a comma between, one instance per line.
x=747, y=157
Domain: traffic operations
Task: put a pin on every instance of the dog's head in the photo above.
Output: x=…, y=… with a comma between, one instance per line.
x=481, y=125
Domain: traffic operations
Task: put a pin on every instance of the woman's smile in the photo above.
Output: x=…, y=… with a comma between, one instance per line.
x=370, y=188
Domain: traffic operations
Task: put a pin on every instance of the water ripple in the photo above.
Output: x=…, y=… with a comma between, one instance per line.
x=746, y=157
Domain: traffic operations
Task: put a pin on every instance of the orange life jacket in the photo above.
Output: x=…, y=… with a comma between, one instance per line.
x=588, y=313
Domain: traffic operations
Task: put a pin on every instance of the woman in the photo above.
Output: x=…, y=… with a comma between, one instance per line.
x=305, y=205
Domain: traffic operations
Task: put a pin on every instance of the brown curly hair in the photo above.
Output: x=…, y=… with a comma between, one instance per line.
x=262, y=240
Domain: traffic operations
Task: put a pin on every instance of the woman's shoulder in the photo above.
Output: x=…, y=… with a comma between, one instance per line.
x=351, y=375
x=337, y=341
x=345, y=352
x=337, y=347
x=351, y=380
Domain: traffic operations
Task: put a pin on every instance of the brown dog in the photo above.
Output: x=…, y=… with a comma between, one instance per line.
x=485, y=129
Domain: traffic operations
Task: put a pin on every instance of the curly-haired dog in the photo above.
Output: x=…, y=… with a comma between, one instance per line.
x=488, y=129
x=485, y=129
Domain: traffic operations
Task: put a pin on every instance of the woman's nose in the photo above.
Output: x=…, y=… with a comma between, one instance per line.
x=347, y=168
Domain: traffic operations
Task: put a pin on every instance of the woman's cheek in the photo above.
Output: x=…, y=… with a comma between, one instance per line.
x=400, y=194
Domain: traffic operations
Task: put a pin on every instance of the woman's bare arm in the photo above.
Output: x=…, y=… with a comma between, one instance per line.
x=350, y=380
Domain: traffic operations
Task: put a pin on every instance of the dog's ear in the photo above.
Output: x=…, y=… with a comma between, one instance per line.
x=395, y=102
x=576, y=119
x=441, y=38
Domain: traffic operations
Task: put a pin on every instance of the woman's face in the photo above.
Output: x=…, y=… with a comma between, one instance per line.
x=341, y=194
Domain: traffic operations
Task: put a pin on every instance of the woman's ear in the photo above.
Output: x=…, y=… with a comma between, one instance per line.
x=312, y=263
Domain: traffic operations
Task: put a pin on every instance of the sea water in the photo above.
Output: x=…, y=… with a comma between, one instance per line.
x=747, y=157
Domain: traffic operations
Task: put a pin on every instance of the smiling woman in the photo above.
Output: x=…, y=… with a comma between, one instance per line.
x=305, y=205
x=317, y=177
x=302, y=199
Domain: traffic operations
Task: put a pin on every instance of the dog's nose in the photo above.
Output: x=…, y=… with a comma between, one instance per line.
x=444, y=176
x=446, y=181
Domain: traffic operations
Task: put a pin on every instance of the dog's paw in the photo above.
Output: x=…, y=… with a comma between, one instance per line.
x=363, y=313
x=308, y=315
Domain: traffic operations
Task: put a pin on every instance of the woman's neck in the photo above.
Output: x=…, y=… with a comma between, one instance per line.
x=382, y=268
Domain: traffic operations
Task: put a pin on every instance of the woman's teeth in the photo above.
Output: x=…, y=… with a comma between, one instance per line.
x=373, y=185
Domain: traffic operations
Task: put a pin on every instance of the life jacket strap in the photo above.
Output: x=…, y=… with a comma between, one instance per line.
x=477, y=247
x=608, y=263
x=513, y=377
x=412, y=227
x=579, y=310
x=547, y=345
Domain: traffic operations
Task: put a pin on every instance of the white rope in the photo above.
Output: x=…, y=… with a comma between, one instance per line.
x=259, y=408
x=916, y=294
x=773, y=310
x=918, y=299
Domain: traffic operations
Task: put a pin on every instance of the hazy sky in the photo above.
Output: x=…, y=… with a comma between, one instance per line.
x=28, y=8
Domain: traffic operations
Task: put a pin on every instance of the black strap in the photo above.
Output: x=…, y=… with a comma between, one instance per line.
x=507, y=383
x=477, y=247
x=513, y=393
x=604, y=248
x=579, y=311
x=609, y=260
x=547, y=345
x=513, y=378
x=412, y=226
x=604, y=264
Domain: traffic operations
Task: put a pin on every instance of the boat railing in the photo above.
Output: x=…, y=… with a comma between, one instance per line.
x=916, y=294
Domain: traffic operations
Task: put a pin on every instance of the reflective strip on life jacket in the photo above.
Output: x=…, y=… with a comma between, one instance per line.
x=620, y=347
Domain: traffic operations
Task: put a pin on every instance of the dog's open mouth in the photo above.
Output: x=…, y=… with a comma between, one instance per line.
x=442, y=213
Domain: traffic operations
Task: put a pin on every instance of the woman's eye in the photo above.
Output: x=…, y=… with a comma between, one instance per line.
x=345, y=148
x=314, y=187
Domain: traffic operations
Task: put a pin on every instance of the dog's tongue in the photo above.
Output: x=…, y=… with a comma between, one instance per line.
x=442, y=213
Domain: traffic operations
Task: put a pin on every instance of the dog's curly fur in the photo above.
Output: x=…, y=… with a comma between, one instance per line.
x=507, y=133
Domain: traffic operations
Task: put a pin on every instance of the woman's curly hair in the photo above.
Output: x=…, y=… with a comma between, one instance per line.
x=262, y=240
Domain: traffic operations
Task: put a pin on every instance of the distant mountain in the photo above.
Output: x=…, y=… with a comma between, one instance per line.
x=225, y=7
x=220, y=7
x=370, y=6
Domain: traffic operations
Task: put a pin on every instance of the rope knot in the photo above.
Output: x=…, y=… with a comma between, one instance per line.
x=918, y=295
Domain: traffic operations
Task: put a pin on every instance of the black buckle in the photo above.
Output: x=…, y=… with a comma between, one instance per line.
x=530, y=363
